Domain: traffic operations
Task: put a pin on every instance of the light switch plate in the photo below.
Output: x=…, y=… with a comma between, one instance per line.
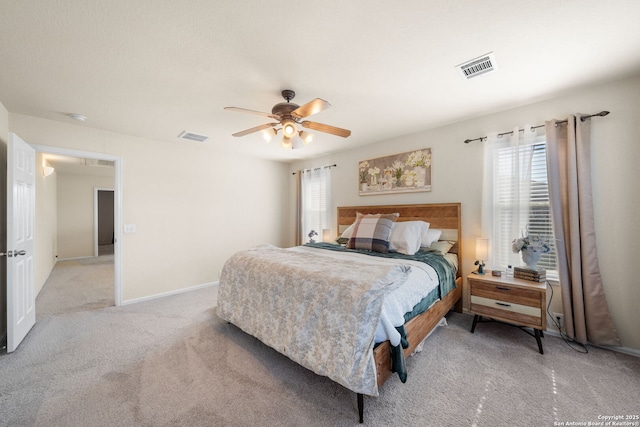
x=129, y=228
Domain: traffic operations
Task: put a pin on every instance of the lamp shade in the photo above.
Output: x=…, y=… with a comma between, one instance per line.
x=306, y=136
x=268, y=134
x=286, y=142
x=326, y=235
x=482, y=248
x=289, y=128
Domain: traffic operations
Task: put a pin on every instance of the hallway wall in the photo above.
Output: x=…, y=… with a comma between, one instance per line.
x=75, y=214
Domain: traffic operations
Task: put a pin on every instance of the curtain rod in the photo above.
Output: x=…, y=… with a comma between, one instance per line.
x=582, y=119
x=316, y=169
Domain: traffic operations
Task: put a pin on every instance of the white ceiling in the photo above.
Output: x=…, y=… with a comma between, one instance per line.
x=153, y=68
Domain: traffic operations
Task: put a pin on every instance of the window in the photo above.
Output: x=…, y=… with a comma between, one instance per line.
x=315, y=197
x=520, y=199
x=539, y=206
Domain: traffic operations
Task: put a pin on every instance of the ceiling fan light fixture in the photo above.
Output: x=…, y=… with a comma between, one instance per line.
x=268, y=134
x=286, y=143
x=306, y=137
x=288, y=117
x=289, y=128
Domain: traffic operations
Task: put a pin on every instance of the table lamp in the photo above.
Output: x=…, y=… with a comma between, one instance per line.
x=482, y=253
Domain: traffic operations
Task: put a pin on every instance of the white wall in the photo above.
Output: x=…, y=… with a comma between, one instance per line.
x=457, y=177
x=193, y=206
x=46, y=234
x=75, y=213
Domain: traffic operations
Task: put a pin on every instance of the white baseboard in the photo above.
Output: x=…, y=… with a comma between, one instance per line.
x=75, y=258
x=166, y=294
x=625, y=350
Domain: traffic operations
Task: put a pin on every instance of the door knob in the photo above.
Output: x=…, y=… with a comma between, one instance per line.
x=10, y=254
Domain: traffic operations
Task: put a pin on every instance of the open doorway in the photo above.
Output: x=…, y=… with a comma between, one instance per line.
x=80, y=176
x=104, y=231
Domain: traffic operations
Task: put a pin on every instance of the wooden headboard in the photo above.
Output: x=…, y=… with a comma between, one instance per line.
x=445, y=216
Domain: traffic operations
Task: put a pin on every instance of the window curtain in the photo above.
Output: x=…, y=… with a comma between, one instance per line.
x=506, y=191
x=299, y=208
x=587, y=317
x=314, y=199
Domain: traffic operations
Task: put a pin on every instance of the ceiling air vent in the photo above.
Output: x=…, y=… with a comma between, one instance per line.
x=192, y=136
x=97, y=162
x=480, y=65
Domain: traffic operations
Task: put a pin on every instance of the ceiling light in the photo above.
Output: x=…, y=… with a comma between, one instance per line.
x=268, y=134
x=286, y=143
x=47, y=169
x=306, y=136
x=289, y=128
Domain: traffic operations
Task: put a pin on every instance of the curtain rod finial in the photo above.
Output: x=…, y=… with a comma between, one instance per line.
x=603, y=113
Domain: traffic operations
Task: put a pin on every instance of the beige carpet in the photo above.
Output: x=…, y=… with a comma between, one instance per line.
x=173, y=362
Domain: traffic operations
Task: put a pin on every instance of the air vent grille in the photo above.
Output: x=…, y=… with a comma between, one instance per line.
x=478, y=66
x=97, y=162
x=192, y=136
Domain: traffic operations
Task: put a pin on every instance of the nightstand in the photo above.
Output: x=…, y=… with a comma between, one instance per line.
x=506, y=299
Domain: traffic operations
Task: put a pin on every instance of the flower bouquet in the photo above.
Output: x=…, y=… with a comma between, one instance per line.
x=532, y=247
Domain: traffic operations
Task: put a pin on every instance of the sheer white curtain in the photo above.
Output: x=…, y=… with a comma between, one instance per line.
x=506, y=192
x=315, y=196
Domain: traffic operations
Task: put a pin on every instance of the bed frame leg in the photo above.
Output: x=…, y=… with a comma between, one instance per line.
x=361, y=407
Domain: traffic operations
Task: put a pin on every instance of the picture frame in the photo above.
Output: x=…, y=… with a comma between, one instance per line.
x=408, y=172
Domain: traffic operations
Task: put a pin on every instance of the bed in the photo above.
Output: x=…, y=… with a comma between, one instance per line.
x=323, y=311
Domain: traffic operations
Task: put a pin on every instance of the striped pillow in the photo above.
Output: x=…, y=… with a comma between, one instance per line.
x=372, y=232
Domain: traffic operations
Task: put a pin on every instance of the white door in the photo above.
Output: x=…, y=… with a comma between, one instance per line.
x=21, y=300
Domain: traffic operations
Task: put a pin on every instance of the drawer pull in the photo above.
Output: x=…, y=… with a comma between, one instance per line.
x=503, y=304
x=503, y=288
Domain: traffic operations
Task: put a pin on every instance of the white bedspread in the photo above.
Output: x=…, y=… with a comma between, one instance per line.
x=320, y=311
x=421, y=280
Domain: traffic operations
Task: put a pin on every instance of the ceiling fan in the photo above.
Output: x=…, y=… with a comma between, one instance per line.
x=288, y=116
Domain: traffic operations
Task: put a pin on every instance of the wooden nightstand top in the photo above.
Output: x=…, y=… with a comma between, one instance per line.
x=520, y=283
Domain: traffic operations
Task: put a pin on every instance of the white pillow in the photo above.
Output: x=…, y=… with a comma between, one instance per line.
x=406, y=236
x=432, y=235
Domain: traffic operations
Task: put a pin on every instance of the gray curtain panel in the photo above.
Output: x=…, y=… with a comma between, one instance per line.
x=298, y=178
x=587, y=317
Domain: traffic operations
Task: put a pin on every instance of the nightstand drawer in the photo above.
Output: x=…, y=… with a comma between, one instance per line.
x=509, y=312
x=506, y=306
x=505, y=293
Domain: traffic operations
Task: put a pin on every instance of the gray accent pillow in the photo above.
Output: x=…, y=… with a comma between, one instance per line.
x=372, y=232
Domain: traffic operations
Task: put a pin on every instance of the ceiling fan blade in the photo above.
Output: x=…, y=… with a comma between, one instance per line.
x=259, y=113
x=326, y=128
x=255, y=129
x=310, y=108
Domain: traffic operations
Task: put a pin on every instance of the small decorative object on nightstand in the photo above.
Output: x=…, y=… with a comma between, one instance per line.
x=511, y=300
x=312, y=234
x=482, y=252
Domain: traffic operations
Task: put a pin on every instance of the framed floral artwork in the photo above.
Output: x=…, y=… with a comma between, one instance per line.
x=408, y=172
